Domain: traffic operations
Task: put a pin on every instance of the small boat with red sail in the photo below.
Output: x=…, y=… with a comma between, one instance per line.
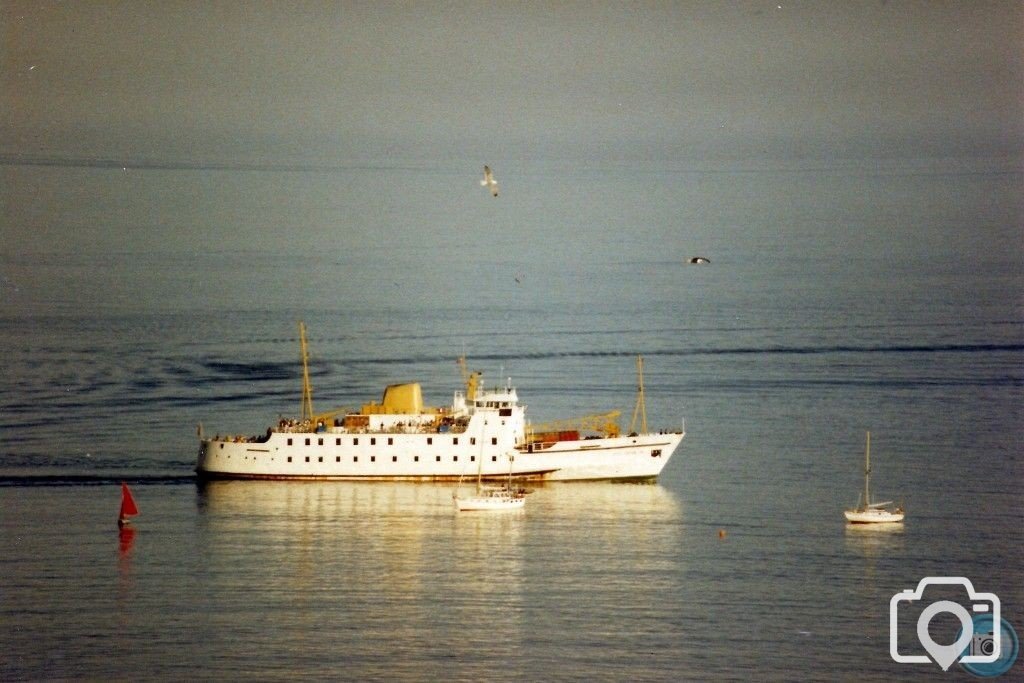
x=128, y=506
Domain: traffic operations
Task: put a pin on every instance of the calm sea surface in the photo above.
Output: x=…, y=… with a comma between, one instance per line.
x=780, y=355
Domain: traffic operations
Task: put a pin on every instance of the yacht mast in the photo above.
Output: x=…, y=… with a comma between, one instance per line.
x=867, y=472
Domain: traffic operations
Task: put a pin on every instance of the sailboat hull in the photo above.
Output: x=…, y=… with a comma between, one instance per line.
x=490, y=500
x=872, y=516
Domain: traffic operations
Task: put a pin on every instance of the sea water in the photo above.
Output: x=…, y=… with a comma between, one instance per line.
x=813, y=324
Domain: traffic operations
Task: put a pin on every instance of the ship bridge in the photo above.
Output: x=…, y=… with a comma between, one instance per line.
x=498, y=397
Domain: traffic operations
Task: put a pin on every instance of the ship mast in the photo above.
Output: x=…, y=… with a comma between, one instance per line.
x=307, y=388
x=640, y=408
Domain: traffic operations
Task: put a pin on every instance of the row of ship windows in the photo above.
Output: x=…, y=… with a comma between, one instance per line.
x=394, y=458
x=391, y=441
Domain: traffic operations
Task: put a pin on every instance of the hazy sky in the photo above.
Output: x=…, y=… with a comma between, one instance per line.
x=680, y=83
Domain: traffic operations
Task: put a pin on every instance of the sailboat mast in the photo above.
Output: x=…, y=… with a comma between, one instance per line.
x=867, y=472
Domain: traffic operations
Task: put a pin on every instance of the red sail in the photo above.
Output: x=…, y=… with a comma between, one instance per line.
x=128, y=507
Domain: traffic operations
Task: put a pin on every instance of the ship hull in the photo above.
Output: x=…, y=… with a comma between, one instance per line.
x=332, y=457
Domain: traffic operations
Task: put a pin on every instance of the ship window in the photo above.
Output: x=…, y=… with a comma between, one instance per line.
x=656, y=453
x=320, y=459
x=337, y=442
x=494, y=458
x=472, y=458
x=373, y=458
x=455, y=458
x=472, y=441
x=391, y=442
x=373, y=442
x=394, y=458
x=337, y=458
x=355, y=459
x=307, y=443
x=494, y=441
x=439, y=458
x=455, y=441
x=430, y=440
x=289, y=442
x=319, y=442
x=289, y=458
x=307, y=458
x=416, y=458
x=355, y=442
x=505, y=412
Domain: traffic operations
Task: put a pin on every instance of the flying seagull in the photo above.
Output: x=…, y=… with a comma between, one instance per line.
x=489, y=181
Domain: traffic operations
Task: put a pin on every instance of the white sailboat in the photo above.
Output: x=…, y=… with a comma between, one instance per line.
x=867, y=512
x=490, y=498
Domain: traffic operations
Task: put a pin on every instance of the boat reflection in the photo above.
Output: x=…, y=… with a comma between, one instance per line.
x=305, y=503
x=381, y=563
x=605, y=501
x=875, y=542
x=125, y=541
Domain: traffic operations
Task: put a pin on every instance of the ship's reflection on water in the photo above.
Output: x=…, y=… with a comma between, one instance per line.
x=305, y=504
x=393, y=580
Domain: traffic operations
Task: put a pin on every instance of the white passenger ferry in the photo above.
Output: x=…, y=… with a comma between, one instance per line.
x=399, y=438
